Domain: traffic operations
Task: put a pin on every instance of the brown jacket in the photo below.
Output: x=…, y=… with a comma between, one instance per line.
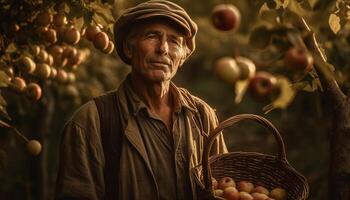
x=81, y=155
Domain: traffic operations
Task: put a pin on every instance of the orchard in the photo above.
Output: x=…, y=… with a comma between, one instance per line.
x=287, y=60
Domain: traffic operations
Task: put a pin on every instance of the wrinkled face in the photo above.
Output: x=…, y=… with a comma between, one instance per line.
x=156, y=51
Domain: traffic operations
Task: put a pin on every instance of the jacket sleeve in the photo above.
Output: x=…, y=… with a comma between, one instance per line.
x=81, y=162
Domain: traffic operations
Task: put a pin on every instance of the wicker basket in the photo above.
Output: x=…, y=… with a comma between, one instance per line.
x=260, y=169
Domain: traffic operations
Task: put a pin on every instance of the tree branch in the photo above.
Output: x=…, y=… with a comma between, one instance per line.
x=328, y=82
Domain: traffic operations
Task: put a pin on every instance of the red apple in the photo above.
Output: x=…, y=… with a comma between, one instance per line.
x=227, y=70
x=226, y=17
x=72, y=36
x=262, y=85
x=231, y=193
x=50, y=35
x=33, y=91
x=44, y=18
x=247, y=68
x=18, y=84
x=298, y=59
x=91, y=31
x=60, y=19
x=101, y=41
x=245, y=186
x=26, y=64
x=226, y=182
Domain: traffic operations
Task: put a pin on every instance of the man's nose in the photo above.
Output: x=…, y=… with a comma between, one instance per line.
x=163, y=47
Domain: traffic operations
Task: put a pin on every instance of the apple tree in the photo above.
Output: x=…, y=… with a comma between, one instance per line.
x=54, y=55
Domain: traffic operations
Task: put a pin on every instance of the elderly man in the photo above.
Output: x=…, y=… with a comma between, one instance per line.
x=140, y=141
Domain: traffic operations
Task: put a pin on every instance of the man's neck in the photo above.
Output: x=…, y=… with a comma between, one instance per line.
x=156, y=96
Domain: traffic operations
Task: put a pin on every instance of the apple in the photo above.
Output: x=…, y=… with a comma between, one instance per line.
x=53, y=73
x=34, y=49
x=259, y=196
x=49, y=60
x=71, y=77
x=18, y=84
x=262, y=85
x=261, y=189
x=226, y=17
x=231, y=193
x=109, y=48
x=298, y=59
x=71, y=36
x=247, y=68
x=42, y=55
x=245, y=196
x=69, y=51
x=61, y=76
x=44, y=18
x=227, y=70
x=59, y=19
x=50, y=35
x=218, y=192
x=55, y=50
x=33, y=147
x=26, y=64
x=33, y=91
x=245, y=186
x=91, y=31
x=214, y=183
x=42, y=70
x=278, y=194
x=101, y=41
x=226, y=182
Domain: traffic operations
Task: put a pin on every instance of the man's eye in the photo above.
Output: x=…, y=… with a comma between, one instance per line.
x=174, y=41
x=151, y=35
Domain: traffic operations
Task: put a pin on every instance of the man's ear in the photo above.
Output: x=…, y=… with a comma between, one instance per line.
x=127, y=49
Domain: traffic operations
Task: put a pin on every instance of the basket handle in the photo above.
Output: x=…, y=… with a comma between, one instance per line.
x=281, y=154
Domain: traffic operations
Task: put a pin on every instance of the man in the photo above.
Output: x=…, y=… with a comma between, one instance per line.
x=144, y=139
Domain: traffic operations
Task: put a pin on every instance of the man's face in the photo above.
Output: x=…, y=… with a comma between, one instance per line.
x=156, y=52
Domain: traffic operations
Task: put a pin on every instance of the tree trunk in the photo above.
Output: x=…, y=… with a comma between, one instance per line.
x=339, y=169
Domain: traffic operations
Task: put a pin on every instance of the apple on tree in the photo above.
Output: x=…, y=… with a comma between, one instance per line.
x=298, y=59
x=226, y=17
x=262, y=85
x=227, y=70
x=246, y=66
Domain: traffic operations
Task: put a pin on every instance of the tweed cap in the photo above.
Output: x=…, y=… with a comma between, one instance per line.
x=153, y=9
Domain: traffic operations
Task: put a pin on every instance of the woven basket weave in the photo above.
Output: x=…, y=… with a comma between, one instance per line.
x=260, y=169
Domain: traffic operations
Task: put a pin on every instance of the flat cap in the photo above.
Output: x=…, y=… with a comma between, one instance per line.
x=154, y=9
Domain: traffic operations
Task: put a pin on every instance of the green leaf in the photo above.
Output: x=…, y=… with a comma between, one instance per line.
x=334, y=23
x=269, y=16
x=286, y=96
x=4, y=79
x=79, y=23
x=241, y=87
x=100, y=20
x=103, y=10
x=3, y=112
x=260, y=37
x=2, y=101
x=11, y=48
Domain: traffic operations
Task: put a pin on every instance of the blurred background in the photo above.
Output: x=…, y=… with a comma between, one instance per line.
x=304, y=119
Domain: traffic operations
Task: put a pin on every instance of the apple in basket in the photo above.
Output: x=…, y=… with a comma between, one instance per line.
x=245, y=196
x=226, y=182
x=261, y=189
x=278, y=194
x=245, y=186
x=231, y=193
x=218, y=193
x=259, y=196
